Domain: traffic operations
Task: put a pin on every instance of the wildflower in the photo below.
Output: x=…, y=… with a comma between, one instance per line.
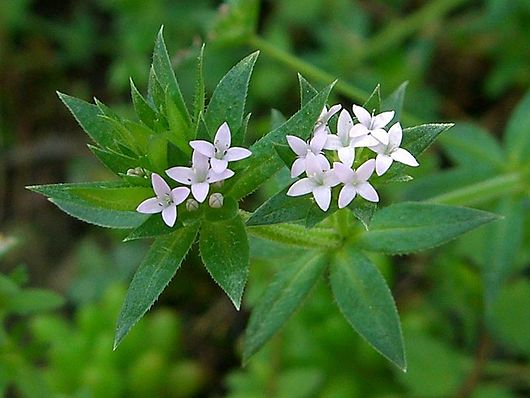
x=319, y=181
x=199, y=176
x=165, y=201
x=370, y=125
x=342, y=142
x=220, y=152
x=303, y=150
x=386, y=154
x=355, y=182
x=321, y=126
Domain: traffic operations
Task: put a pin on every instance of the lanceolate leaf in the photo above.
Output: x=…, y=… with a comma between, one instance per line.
x=228, y=100
x=517, y=136
x=89, y=118
x=265, y=162
x=374, y=101
x=144, y=111
x=307, y=91
x=394, y=102
x=114, y=161
x=280, y=209
x=413, y=226
x=225, y=253
x=366, y=302
x=199, y=95
x=281, y=298
x=153, y=275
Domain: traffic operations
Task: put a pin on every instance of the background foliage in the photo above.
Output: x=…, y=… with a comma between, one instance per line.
x=466, y=333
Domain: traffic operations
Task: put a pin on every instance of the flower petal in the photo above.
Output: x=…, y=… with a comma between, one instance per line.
x=179, y=194
x=203, y=147
x=184, y=175
x=382, y=163
x=332, y=142
x=298, y=167
x=237, y=153
x=301, y=187
x=215, y=177
x=346, y=155
x=323, y=162
x=218, y=165
x=331, y=179
x=362, y=115
x=382, y=119
x=344, y=124
x=223, y=137
x=159, y=185
x=395, y=135
x=169, y=215
x=366, y=141
x=320, y=129
x=381, y=136
x=403, y=156
x=334, y=109
x=200, y=191
x=150, y=206
x=298, y=145
x=365, y=170
x=317, y=143
x=346, y=195
x=343, y=172
x=358, y=130
x=322, y=195
x=367, y=191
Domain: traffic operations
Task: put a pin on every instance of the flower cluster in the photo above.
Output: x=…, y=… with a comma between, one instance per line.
x=369, y=131
x=209, y=165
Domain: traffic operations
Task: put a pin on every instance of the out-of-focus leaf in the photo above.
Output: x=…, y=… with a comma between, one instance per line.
x=236, y=21
x=153, y=275
x=33, y=301
x=280, y=299
x=365, y=301
x=517, y=136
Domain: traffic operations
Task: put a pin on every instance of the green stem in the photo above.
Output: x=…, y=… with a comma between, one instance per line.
x=297, y=235
x=483, y=191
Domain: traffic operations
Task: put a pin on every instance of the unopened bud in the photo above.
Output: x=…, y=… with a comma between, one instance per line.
x=216, y=200
x=192, y=205
x=137, y=172
x=218, y=184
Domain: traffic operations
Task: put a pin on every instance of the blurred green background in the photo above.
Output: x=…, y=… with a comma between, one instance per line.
x=465, y=307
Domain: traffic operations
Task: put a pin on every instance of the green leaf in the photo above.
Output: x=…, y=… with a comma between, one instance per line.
x=89, y=118
x=413, y=226
x=235, y=22
x=144, y=111
x=199, y=95
x=473, y=146
x=277, y=119
x=307, y=91
x=373, y=104
x=29, y=301
x=225, y=253
x=281, y=208
x=153, y=227
x=228, y=100
x=280, y=300
x=163, y=70
x=365, y=301
x=517, y=136
x=394, y=102
x=114, y=161
x=265, y=162
x=155, y=272
x=180, y=132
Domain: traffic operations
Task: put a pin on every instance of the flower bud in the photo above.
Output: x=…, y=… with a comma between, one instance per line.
x=137, y=172
x=216, y=200
x=192, y=205
x=218, y=184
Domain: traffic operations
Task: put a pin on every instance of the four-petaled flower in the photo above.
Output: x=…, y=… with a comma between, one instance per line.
x=304, y=149
x=165, y=201
x=321, y=126
x=199, y=176
x=342, y=142
x=220, y=152
x=355, y=182
x=370, y=125
x=386, y=154
x=319, y=181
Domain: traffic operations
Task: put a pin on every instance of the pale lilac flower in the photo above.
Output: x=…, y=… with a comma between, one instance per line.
x=303, y=149
x=355, y=182
x=199, y=176
x=220, y=152
x=342, y=142
x=370, y=125
x=386, y=154
x=321, y=126
x=165, y=201
x=319, y=181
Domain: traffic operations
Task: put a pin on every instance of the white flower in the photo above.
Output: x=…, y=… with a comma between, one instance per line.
x=303, y=149
x=319, y=181
x=386, y=154
x=321, y=126
x=370, y=125
x=165, y=201
x=220, y=152
x=199, y=175
x=342, y=142
x=355, y=182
